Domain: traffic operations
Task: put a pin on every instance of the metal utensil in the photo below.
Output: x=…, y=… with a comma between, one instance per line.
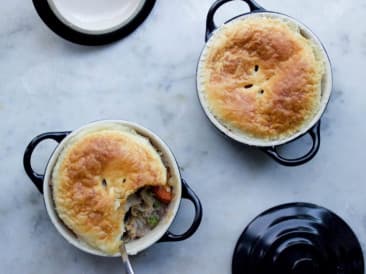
x=125, y=259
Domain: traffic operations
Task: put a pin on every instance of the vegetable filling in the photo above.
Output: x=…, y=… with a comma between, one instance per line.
x=145, y=209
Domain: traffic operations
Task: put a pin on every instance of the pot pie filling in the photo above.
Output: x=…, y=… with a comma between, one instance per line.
x=111, y=184
x=261, y=77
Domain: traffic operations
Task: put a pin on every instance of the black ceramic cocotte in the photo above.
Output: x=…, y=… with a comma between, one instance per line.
x=269, y=147
x=160, y=233
x=93, y=22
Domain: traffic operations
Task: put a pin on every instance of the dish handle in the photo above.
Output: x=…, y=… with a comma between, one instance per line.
x=210, y=24
x=37, y=178
x=314, y=133
x=187, y=193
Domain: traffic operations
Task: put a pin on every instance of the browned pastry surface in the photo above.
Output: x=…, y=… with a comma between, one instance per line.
x=93, y=178
x=262, y=77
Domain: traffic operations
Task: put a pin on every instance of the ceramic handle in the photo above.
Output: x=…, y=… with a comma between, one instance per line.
x=210, y=24
x=314, y=133
x=187, y=193
x=37, y=178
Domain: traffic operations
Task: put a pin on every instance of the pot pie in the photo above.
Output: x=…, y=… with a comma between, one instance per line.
x=261, y=77
x=110, y=183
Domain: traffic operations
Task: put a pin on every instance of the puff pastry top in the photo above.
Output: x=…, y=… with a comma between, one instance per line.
x=262, y=77
x=93, y=177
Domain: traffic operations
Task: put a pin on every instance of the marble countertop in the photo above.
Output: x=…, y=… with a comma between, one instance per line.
x=49, y=84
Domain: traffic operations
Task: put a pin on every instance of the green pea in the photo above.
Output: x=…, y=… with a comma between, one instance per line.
x=153, y=220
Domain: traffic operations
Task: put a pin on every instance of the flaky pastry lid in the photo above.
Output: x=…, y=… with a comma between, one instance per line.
x=95, y=173
x=263, y=79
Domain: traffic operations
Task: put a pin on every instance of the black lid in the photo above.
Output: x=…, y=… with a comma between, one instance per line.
x=298, y=238
x=67, y=31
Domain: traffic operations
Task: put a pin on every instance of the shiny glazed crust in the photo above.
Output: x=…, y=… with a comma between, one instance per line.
x=261, y=77
x=93, y=177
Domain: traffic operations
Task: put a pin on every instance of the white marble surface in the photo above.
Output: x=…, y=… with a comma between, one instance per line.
x=49, y=84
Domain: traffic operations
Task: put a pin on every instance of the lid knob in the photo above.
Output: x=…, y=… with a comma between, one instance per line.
x=305, y=266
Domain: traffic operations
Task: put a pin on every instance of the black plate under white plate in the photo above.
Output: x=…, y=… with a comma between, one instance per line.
x=298, y=238
x=93, y=22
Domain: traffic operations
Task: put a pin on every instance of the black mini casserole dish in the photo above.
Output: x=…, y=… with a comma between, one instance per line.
x=93, y=22
x=160, y=233
x=311, y=127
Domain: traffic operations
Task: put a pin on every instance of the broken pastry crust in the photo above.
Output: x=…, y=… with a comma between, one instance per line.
x=95, y=174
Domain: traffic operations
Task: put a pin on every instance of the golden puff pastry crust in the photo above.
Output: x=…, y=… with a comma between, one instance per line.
x=262, y=78
x=93, y=177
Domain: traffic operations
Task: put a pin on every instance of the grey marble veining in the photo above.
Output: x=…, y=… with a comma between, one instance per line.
x=49, y=84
